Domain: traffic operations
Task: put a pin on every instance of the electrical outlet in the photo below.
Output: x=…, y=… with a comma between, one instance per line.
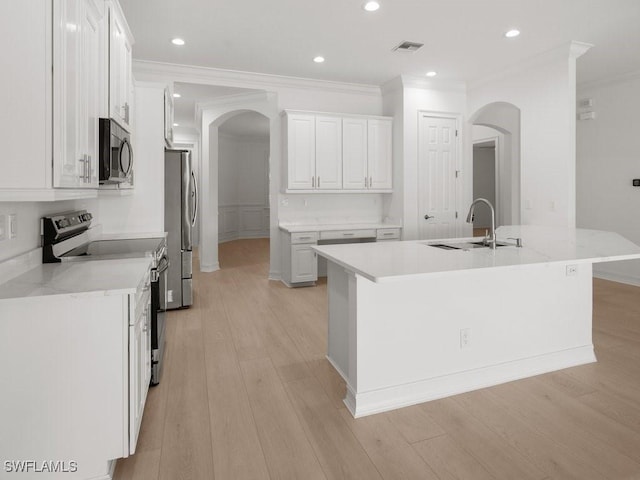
x=572, y=270
x=465, y=337
x=13, y=225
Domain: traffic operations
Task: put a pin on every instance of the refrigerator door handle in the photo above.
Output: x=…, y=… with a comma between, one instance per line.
x=195, y=198
x=185, y=163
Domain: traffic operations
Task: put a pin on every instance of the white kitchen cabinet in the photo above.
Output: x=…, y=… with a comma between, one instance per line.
x=367, y=154
x=78, y=46
x=304, y=264
x=120, y=66
x=139, y=363
x=354, y=153
x=75, y=368
x=379, y=154
x=56, y=87
x=328, y=161
x=300, y=131
x=336, y=153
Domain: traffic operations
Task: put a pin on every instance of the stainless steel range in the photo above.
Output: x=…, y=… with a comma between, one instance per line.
x=65, y=238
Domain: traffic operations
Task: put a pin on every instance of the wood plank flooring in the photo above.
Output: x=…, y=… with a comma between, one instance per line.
x=248, y=394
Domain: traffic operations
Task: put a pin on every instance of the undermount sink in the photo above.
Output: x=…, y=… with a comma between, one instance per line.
x=464, y=245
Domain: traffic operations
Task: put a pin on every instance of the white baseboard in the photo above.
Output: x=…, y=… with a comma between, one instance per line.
x=614, y=277
x=398, y=396
x=214, y=267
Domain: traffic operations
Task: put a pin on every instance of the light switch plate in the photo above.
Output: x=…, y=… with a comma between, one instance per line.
x=3, y=227
x=13, y=225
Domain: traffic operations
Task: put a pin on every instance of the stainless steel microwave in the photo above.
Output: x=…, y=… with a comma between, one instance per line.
x=116, y=154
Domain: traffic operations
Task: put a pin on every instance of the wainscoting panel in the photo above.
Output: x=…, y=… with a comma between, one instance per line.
x=242, y=221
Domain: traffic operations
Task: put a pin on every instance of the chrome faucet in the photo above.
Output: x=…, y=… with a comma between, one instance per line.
x=492, y=240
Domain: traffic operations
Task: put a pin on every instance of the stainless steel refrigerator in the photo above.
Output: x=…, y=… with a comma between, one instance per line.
x=180, y=211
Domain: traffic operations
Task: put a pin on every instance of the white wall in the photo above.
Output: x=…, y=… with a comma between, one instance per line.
x=544, y=91
x=28, y=223
x=143, y=211
x=484, y=183
x=608, y=158
x=243, y=196
x=405, y=99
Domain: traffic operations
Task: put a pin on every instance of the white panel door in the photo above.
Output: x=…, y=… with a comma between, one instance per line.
x=380, y=154
x=354, y=153
x=328, y=152
x=301, y=150
x=437, y=177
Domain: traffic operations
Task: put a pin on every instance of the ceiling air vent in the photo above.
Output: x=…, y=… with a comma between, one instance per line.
x=408, y=47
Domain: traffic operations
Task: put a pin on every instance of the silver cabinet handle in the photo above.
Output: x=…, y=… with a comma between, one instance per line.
x=125, y=109
x=388, y=234
x=348, y=234
x=318, y=181
x=370, y=182
x=305, y=238
x=365, y=182
x=313, y=182
x=89, y=172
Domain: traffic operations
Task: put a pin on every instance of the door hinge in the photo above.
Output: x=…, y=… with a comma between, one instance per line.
x=457, y=173
x=456, y=214
x=456, y=133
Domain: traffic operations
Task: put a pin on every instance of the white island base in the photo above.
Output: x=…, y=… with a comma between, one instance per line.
x=411, y=340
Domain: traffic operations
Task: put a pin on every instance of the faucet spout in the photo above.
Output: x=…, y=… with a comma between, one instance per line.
x=493, y=239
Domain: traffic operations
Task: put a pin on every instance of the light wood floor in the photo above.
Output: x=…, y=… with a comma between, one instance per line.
x=248, y=394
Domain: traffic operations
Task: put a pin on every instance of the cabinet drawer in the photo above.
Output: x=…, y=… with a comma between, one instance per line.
x=339, y=234
x=304, y=237
x=388, y=234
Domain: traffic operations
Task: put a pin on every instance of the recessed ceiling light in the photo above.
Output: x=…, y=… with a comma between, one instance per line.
x=176, y=124
x=371, y=6
x=431, y=74
x=512, y=33
x=177, y=41
x=318, y=59
x=176, y=95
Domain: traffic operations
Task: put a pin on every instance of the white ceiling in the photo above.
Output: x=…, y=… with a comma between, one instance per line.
x=463, y=38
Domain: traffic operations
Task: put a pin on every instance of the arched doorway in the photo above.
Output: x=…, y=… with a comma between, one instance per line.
x=213, y=115
x=500, y=122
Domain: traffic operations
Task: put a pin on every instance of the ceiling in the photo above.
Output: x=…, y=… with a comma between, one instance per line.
x=463, y=38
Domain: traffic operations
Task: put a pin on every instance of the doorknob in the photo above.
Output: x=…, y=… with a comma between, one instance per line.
x=427, y=217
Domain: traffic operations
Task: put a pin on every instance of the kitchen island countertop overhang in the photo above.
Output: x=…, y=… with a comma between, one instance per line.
x=410, y=322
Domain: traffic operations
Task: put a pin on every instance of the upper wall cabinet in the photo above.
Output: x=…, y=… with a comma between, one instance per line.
x=120, y=66
x=55, y=95
x=336, y=153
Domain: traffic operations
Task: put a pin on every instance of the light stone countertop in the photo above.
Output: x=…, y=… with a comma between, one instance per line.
x=317, y=227
x=102, y=277
x=387, y=261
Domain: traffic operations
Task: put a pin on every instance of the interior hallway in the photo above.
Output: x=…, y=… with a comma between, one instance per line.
x=247, y=394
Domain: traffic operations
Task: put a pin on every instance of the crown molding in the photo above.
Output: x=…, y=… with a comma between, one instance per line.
x=566, y=51
x=409, y=81
x=607, y=81
x=169, y=72
x=235, y=100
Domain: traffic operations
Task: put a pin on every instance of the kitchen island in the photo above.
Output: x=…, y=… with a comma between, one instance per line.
x=413, y=321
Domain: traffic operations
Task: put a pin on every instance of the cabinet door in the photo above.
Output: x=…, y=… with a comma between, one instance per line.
x=354, y=153
x=68, y=107
x=380, y=154
x=119, y=68
x=77, y=82
x=328, y=152
x=304, y=264
x=139, y=373
x=92, y=84
x=301, y=151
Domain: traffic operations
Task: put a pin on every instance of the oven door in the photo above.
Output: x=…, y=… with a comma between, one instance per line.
x=158, y=313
